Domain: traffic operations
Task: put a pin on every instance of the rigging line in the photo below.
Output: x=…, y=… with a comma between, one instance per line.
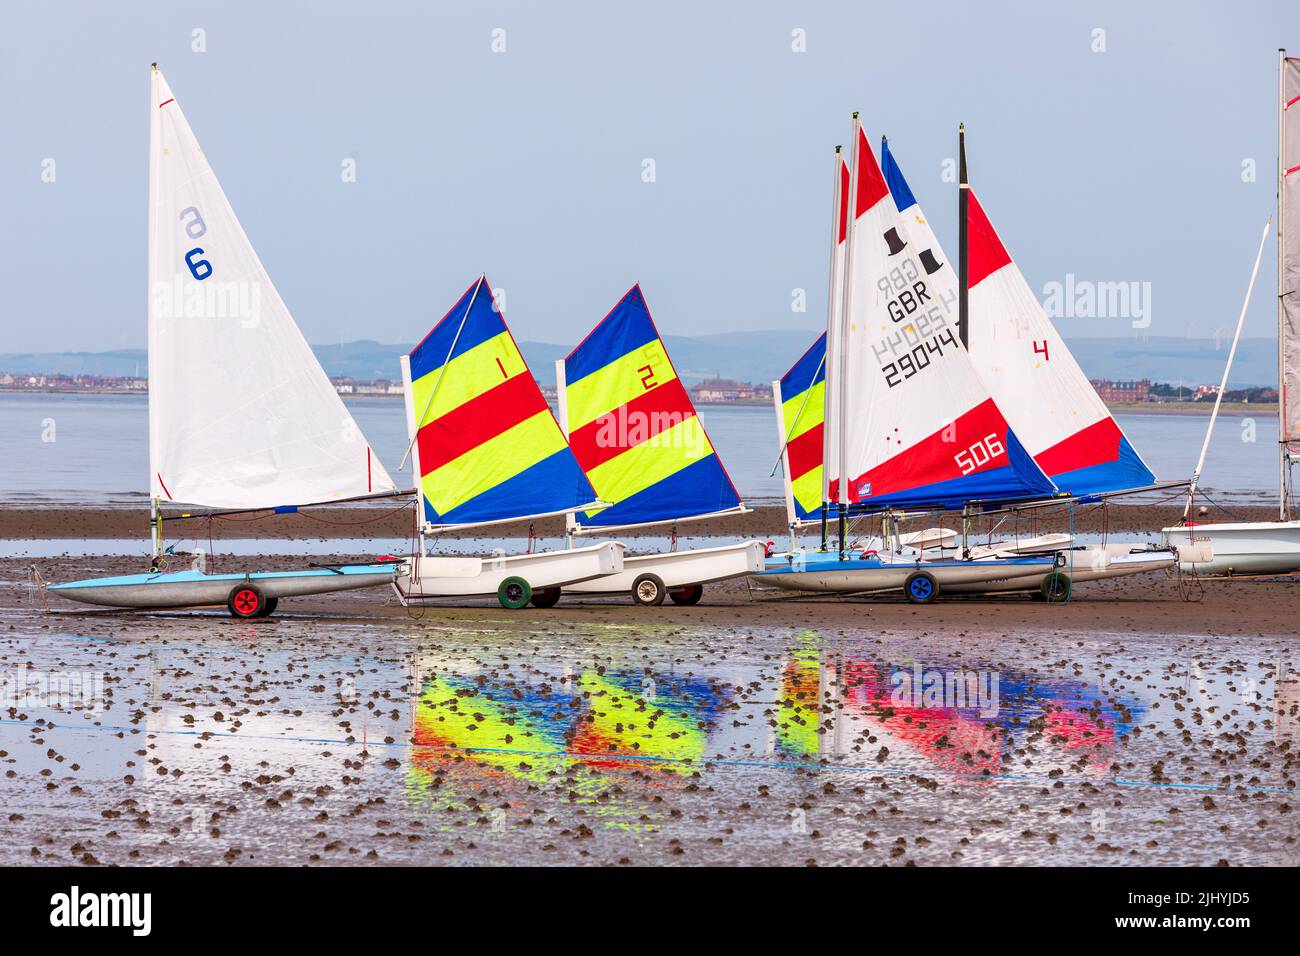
x=1223, y=384
x=797, y=415
x=441, y=372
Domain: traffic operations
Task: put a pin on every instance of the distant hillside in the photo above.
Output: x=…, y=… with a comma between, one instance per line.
x=751, y=357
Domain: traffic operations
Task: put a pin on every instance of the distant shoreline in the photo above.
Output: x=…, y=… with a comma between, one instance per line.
x=1267, y=409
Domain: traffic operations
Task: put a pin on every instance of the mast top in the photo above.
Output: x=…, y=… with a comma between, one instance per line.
x=855, y=114
x=154, y=67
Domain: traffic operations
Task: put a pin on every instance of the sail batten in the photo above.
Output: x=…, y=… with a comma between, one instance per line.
x=633, y=427
x=487, y=447
x=241, y=415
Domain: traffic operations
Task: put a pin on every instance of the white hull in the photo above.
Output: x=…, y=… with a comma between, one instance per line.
x=1248, y=547
x=680, y=568
x=1097, y=562
x=196, y=589
x=428, y=579
x=828, y=575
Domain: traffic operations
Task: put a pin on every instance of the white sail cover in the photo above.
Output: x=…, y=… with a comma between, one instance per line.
x=241, y=415
x=921, y=429
x=1289, y=277
x=1022, y=359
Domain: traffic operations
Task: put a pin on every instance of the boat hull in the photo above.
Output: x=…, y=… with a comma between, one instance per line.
x=196, y=589
x=1089, y=563
x=680, y=568
x=863, y=576
x=431, y=579
x=1247, y=547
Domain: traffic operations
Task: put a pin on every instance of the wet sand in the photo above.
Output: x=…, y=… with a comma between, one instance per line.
x=398, y=522
x=1127, y=727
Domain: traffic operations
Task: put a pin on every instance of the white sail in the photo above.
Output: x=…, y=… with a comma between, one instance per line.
x=241, y=415
x=920, y=428
x=1288, y=285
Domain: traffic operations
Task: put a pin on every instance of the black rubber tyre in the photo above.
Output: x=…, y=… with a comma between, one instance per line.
x=649, y=590
x=246, y=601
x=1056, y=587
x=514, y=593
x=269, y=607
x=688, y=595
x=546, y=597
x=921, y=587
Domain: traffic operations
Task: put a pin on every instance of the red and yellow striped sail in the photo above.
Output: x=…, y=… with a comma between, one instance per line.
x=487, y=446
x=803, y=415
x=633, y=428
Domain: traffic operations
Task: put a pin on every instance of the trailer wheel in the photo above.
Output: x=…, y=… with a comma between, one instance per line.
x=690, y=594
x=546, y=597
x=649, y=590
x=269, y=607
x=1056, y=587
x=921, y=587
x=246, y=601
x=514, y=593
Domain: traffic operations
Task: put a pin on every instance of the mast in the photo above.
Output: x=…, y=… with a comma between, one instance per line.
x=963, y=243
x=1284, y=507
x=562, y=407
x=846, y=307
x=831, y=336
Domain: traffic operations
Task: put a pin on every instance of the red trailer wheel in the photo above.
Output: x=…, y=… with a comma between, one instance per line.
x=246, y=601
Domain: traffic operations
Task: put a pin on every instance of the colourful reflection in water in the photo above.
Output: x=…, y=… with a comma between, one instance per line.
x=616, y=738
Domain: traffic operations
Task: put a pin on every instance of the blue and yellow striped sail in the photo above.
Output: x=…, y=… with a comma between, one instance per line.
x=803, y=410
x=488, y=447
x=633, y=428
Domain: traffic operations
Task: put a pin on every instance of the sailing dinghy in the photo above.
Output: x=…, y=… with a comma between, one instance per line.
x=635, y=432
x=908, y=424
x=1266, y=547
x=241, y=415
x=486, y=449
x=1035, y=380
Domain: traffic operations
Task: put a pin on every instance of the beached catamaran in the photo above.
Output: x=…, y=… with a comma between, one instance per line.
x=1265, y=547
x=486, y=449
x=241, y=415
x=908, y=425
x=634, y=431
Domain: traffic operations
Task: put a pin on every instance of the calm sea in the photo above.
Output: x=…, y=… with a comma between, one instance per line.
x=94, y=449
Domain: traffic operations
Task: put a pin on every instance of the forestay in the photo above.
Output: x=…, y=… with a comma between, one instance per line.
x=921, y=429
x=241, y=415
x=633, y=428
x=487, y=447
x=1023, y=361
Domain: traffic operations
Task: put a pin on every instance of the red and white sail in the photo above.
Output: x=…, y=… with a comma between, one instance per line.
x=920, y=429
x=1037, y=382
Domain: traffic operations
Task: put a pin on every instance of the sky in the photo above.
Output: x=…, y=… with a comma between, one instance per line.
x=1111, y=142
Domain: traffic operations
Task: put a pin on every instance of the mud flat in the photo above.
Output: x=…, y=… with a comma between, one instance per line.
x=398, y=522
x=1127, y=727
